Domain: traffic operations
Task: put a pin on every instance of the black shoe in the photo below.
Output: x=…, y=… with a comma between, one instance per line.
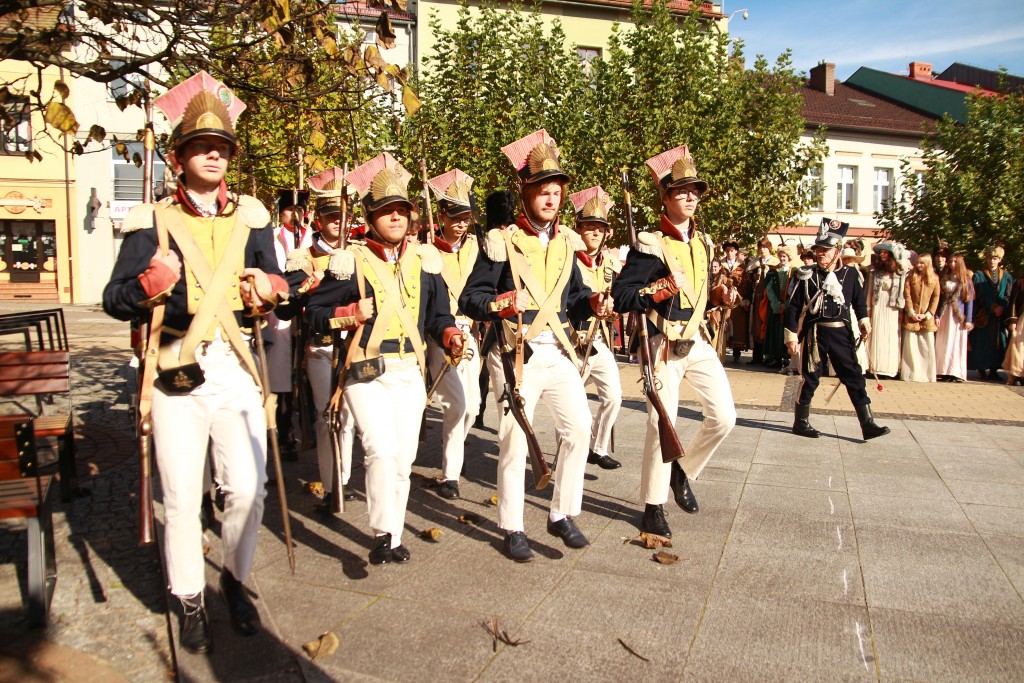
x=801, y=425
x=400, y=554
x=517, y=547
x=479, y=422
x=380, y=553
x=654, y=522
x=326, y=505
x=680, y=486
x=206, y=512
x=244, y=616
x=350, y=496
x=570, y=534
x=195, y=626
x=868, y=428
x=448, y=489
x=605, y=462
x=288, y=451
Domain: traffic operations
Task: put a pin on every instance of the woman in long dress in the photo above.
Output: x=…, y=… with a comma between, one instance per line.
x=956, y=309
x=921, y=294
x=1013, y=362
x=885, y=299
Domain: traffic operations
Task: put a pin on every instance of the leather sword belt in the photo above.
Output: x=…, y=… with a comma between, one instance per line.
x=831, y=324
x=390, y=348
x=319, y=341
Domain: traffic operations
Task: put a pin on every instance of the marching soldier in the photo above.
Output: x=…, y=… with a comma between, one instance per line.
x=818, y=323
x=594, y=337
x=293, y=233
x=459, y=388
x=304, y=271
x=208, y=389
x=389, y=294
x=668, y=280
x=527, y=279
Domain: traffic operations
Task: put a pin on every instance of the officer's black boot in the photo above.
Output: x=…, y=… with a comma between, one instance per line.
x=195, y=626
x=867, y=423
x=801, y=425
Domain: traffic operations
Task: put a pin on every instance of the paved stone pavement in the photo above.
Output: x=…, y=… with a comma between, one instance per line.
x=835, y=559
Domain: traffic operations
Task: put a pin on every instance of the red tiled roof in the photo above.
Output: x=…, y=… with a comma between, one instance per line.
x=363, y=8
x=952, y=85
x=850, y=107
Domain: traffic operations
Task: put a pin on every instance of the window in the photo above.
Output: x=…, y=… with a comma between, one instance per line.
x=128, y=176
x=16, y=128
x=815, y=188
x=587, y=55
x=883, y=188
x=846, y=189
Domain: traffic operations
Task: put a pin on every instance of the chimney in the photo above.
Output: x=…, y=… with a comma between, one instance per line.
x=823, y=78
x=921, y=71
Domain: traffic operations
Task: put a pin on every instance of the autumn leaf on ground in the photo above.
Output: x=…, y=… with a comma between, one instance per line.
x=432, y=534
x=493, y=500
x=631, y=650
x=324, y=646
x=661, y=557
x=654, y=541
x=499, y=635
x=316, y=488
x=470, y=518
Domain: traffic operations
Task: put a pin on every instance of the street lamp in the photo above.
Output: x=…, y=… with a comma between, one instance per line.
x=746, y=14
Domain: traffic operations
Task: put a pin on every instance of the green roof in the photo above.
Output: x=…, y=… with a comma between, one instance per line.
x=923, y=96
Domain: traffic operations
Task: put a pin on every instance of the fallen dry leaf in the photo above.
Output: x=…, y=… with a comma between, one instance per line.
x=316, y=488
x=493, y=500
x=499, y=635
x=470, y=518
x=324, y=646
x=431, y=534
x=631, y=650
x=662, y=557
x=93, y=469
x=654, y=541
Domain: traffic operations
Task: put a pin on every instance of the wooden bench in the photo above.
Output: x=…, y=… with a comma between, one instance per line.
x=39, y=374
x=25, y=494
x=51, y=333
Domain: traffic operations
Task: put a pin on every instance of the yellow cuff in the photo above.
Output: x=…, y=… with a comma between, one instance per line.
x=158, y=299
x=497, y=306
x=343, y=323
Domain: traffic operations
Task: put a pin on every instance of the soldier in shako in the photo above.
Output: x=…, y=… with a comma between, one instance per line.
x=292, y=233
x=818, y=324
x=390, y=296
x=668, y=279
x=208, y=391
x=529, y=273
x=304, y=271
x=459, y=390
x=599, y=268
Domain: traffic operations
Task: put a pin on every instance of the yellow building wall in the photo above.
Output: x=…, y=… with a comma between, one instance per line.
x=46, y=180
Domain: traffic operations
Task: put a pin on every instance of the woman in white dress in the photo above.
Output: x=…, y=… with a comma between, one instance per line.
x=921, y=294
x=955, y=312
x=885, y=301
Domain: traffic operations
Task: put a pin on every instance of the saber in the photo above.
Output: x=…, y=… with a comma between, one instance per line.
x=467, y=354
x=261, y=354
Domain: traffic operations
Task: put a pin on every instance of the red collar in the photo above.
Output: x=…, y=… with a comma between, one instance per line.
x=589, y=262
x=183, y=199
x=524, y=223
x=378, y=249
x=672, y=231
x=443, y=245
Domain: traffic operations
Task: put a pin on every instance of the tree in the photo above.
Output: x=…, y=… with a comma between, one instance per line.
x=667, y=80
x=971, y=193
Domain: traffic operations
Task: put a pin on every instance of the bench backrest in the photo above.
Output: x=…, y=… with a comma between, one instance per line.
x=55, y=336
x=27, y=373
x=17, y=447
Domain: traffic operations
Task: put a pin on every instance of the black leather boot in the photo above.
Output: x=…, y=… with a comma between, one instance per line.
x=801, y=426
x=380, y=553
x=244, y=617
x=868, y=427
x=195, y=626
x=680, y=486
x=654, y=522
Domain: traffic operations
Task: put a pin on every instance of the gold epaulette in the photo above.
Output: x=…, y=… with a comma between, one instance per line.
x=649, y=243
x=574, y=240
x=430, y=258
x=342, y=264
x=140, y=217
x=494, y=246
x=252, y=212
x=298, y=259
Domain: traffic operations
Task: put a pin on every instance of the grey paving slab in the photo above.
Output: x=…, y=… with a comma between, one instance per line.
x=992, y=519
x=709, y=666
x=987, y=493
x=928, y=647
x=945, y=434
x=932, y=488
x=823, y=636
x=1009, y=553
x=917, y=513
x=796, y=476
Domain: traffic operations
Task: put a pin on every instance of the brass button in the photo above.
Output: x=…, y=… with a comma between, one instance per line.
x=197, y=297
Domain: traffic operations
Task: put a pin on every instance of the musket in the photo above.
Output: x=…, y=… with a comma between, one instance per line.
x=148, y=354
x=671, y=448
x=510, y=362
x=275, y=450
x=426, y=202
x=333, y=408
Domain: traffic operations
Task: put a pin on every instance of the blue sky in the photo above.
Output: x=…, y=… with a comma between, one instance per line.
x=885, y=35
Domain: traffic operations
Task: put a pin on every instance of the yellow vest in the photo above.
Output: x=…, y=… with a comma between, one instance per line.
x=456, y=267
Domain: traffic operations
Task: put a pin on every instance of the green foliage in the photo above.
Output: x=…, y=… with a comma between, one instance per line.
x=665, y=81
x=973, y=185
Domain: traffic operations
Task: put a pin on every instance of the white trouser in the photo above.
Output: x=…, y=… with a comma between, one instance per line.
x=552, y=376
x=603, y=371
x=387, y=411
x=704, y=373
x=459, y=396
x=227, y=412
x=278, y=335
x=318, y=370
